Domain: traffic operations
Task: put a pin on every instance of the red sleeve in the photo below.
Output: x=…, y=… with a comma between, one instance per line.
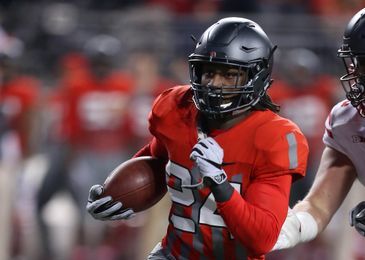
x=256, y=219
x=153, y=148
x=286, y=154
x=158, y=113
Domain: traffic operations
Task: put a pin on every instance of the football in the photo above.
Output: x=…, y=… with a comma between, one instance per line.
x=138, y=183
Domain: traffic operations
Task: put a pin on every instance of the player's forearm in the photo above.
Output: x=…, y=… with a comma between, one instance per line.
x=299, y=227
x=255, y=228
x=333, y=181
x=221, y=192
x=255, y=219
x=321, y=216
x=304, y=222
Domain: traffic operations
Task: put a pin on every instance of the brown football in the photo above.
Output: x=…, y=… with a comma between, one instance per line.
x=138, y=183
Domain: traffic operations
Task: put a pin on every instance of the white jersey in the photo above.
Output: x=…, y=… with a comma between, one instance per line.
x=345, y=132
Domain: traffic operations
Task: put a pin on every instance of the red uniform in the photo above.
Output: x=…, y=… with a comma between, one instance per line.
x=261, y=154
x=93, y=113
x=18, y=99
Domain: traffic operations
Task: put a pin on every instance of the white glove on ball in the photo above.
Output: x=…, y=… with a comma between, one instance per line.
x=105, y=208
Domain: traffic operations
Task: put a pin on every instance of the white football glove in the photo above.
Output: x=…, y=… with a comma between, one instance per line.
x=105, y=208
x=208, y=156
x=299, y=227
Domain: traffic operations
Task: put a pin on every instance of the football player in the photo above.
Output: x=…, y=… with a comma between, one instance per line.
x=342, y=158
x=230, y=159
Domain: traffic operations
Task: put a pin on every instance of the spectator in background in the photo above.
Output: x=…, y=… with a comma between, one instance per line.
x=18, y=103
x=332, y=8
x=144, y=66
x=200, y=8
x=92, y=136
x=19, y=99
x=284, y=6
x=234, y=6
x=74, y=73
x=178, y=69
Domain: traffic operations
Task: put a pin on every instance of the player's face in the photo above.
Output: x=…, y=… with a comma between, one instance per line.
x=224, y=80
x=215, y=75
x=218, y=87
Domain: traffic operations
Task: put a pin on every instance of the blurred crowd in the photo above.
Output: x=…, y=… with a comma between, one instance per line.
x=77, y=80
x=181, y=7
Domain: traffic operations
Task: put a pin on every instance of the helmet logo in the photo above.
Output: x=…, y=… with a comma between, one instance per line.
x=212, y=55
x=248, y=49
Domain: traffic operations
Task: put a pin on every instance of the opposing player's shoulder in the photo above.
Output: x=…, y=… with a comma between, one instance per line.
x=341, y=114
x=171, y=99
x=342, y=125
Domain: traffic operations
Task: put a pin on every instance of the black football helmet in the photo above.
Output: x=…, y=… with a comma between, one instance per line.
x=352, y=52
x=240, y=44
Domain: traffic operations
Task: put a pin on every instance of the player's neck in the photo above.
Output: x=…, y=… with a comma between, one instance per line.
x=223, y=123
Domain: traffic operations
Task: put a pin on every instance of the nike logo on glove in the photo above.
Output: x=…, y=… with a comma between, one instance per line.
x=227, y=163
x=219, y=166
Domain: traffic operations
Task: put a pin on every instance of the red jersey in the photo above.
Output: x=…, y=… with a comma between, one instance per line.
x=18, y=100
x=261, y=154
x=94, y=112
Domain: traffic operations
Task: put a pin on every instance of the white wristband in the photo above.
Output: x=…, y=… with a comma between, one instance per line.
x=309, y=227
x=298, y=227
